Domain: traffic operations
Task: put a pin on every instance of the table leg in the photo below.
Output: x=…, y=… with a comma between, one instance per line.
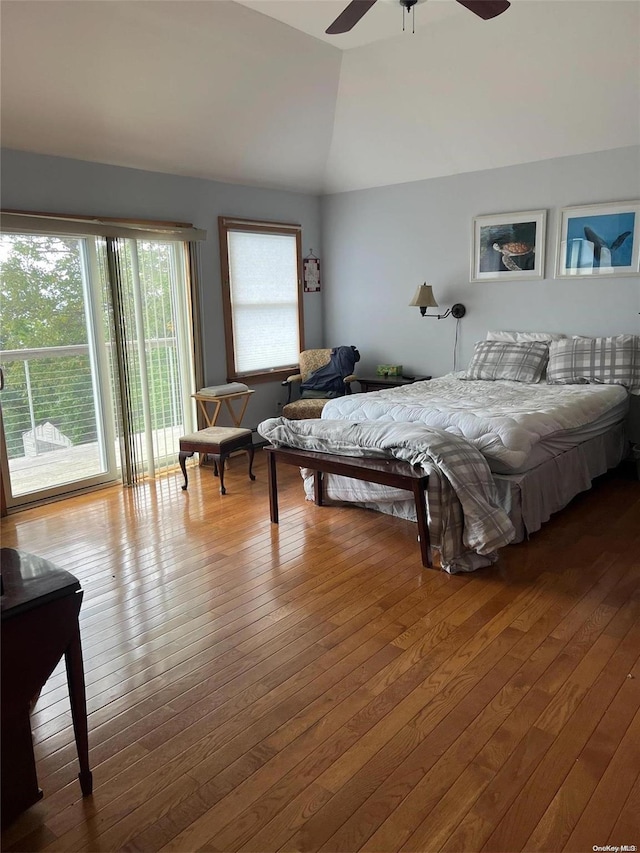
x=237, y=419
x=210, y=421
x=317, y=487
x=273, y=487
x=19, y=780
x=78, y=700
x=250, y=453
x=182, y=457
x=423, y=526
x=218, y=469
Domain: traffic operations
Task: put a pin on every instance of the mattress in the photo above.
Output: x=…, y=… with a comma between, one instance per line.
x=558, y=443
x=516, y=426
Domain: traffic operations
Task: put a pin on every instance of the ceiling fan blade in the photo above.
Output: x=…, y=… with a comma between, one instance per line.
x=486, y=9
x=350, y=16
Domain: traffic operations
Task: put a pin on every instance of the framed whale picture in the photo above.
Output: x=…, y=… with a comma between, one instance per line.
x=508, y=246
x=599, y=240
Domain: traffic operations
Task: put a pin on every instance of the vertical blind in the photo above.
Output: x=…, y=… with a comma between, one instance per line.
x=153, y=364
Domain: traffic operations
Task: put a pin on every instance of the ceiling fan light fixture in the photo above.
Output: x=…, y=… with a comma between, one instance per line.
x=407, y=6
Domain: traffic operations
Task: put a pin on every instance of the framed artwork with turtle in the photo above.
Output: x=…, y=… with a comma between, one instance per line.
x=599, y=240
x=508, y=246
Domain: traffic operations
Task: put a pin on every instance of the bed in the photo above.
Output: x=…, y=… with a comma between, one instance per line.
x=539, y=415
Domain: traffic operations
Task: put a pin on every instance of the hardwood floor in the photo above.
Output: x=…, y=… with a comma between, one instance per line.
x=309, y=686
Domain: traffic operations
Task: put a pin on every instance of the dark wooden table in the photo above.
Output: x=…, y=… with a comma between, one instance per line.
x=40, y=609
x=379, y=383
x=388, y=472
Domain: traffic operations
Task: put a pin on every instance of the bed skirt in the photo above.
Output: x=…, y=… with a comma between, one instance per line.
x=529, y=498
x=532, y=497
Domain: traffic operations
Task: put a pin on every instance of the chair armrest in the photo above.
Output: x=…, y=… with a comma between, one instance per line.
x=288, y=382
x=348, y=380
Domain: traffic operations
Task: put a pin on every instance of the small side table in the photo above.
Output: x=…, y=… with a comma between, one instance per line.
x=240, y=398
x=40, y=609
x=379, y=383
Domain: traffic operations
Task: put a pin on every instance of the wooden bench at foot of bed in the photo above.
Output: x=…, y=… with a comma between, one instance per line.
x=387, y=472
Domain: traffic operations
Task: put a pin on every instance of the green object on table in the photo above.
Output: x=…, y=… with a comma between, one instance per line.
x=389, y=370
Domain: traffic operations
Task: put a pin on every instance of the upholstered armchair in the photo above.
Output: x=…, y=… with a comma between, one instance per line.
x=310, y=404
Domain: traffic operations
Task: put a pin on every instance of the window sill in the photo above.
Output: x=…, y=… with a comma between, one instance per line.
x=265, y=375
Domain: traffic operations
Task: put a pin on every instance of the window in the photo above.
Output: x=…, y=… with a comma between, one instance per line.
x=261, y=290
x=97, y=350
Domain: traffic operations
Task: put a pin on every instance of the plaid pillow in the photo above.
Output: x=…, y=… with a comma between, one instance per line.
x=604, y=361
x=520, y=362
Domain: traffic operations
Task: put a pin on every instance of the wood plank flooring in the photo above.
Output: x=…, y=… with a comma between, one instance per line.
x=309, y=686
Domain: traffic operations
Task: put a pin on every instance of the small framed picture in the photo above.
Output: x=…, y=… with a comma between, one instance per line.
x=508, y=246
x=599, y=240
x=311, y=274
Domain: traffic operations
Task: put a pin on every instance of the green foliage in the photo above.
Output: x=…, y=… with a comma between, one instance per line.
x=41, y=293
x=42, y=305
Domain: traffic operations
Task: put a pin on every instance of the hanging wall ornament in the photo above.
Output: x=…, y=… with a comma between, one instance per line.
x=311, y=273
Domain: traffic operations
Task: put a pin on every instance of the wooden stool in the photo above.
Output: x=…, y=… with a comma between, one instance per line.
x=218, y=442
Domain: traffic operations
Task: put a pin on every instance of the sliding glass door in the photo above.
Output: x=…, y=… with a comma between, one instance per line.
x=64, y=349
x=155, y=373
x=56, y=394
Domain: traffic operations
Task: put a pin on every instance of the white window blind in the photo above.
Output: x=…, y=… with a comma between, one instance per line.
x=263, y=284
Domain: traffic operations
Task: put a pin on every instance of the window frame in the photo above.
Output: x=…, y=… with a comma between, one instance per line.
x=228, y=224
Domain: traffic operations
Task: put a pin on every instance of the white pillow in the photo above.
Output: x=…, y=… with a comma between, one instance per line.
x=525, y=337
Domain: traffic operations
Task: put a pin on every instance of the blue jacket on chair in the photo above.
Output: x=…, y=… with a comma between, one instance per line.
x=328, y=381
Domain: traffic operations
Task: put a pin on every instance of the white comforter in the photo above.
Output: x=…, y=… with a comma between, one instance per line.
x=504, y=420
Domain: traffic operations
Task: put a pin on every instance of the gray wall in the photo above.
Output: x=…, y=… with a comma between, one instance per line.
x=376, y=247
x=380, y=244
x=59, y=185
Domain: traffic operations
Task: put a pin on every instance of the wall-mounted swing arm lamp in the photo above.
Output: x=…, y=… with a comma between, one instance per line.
x=424, y=298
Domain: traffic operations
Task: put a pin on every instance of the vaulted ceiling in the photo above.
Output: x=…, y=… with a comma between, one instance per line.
x=254, y=92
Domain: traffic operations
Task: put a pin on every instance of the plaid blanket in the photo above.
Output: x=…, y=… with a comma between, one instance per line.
x=466, y=525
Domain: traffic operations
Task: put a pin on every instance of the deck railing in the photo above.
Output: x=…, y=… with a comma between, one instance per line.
x=49, y=396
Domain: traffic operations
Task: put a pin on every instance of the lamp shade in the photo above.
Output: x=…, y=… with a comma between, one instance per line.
x=423, y=297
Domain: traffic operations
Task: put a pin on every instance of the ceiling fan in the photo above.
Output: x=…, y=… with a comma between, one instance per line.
x=355, y=10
